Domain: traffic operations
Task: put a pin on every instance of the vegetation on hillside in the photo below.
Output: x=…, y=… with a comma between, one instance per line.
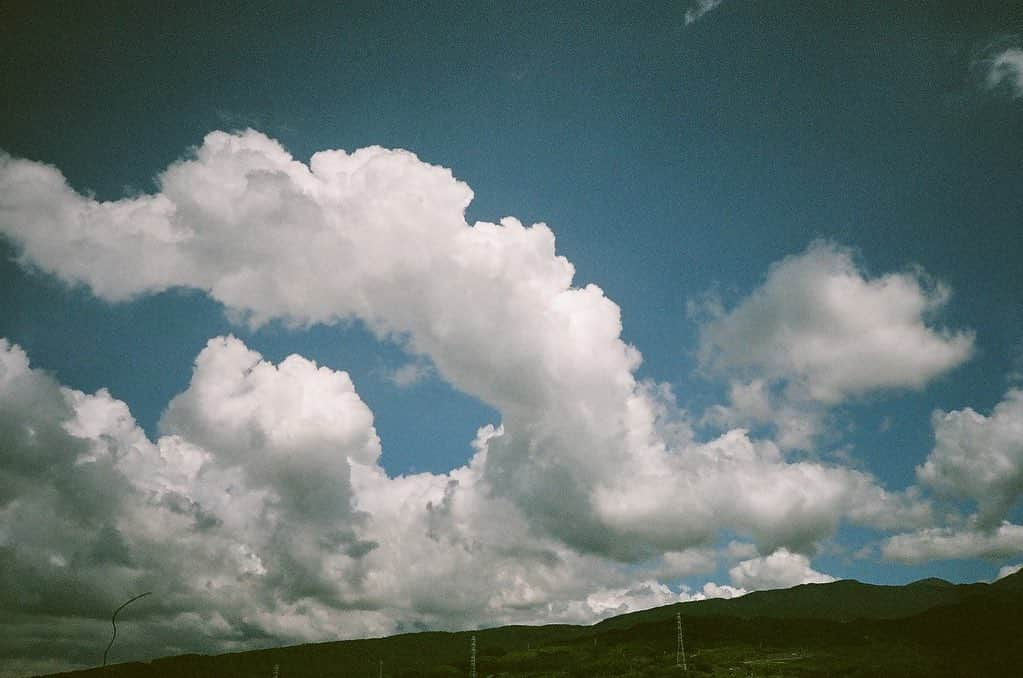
x=970, y=630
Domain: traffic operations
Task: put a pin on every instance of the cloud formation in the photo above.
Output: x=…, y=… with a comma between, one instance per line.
x=826, y=329
x=1006, y=68
x=380, y=236
x=264, y=488
x=819, y=331
x=699, y=8
x=779, y=570
x=1007, y=570
x=979, y=457
x=260, y=514
x=409, y=374
x=940, y=543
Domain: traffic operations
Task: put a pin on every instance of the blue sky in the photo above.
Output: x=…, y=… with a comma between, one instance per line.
x=807, y=218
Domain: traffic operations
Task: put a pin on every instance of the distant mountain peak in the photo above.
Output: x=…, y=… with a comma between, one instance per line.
x=932, y=582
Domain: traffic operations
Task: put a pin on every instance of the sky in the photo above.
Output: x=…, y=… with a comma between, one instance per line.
x=326, y=321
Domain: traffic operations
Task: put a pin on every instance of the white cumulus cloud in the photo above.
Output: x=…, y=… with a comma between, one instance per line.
x=819, y=331
x=780, y=569
x=979, y=457
x=821, y=325
x=712, y=590
x=1007, y=570
x=380, y=235
x=264, y=488
x=260, y=513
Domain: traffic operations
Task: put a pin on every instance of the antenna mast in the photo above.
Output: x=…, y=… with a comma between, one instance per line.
x=472, y=659
x=680, y=652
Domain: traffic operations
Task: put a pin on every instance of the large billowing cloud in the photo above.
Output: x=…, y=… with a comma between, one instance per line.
x=376, y=235
x=264, y=489
x=381, y=236
x=264, y=495
x=260, y=515
x=819, y=331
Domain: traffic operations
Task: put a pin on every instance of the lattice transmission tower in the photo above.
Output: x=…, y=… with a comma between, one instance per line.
x=680, y=651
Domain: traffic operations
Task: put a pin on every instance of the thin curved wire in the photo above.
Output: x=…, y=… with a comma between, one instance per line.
x=113, y=621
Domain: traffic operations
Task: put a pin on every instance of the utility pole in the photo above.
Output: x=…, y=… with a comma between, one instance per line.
x=680, y=652
x=113, y=622
x=472, y=658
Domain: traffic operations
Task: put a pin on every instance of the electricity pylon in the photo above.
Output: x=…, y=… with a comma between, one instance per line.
x=680, y=652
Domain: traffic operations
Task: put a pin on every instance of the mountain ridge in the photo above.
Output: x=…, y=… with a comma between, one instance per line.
x=845, y=627
x=842, y=600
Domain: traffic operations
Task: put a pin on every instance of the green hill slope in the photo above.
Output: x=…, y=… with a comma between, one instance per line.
x=844, y=600
x=846, y=628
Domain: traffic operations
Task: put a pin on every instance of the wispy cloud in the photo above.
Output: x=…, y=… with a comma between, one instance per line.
x=409, y=374
x=699, y=8
x=1006, y=69
x=941, y=543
